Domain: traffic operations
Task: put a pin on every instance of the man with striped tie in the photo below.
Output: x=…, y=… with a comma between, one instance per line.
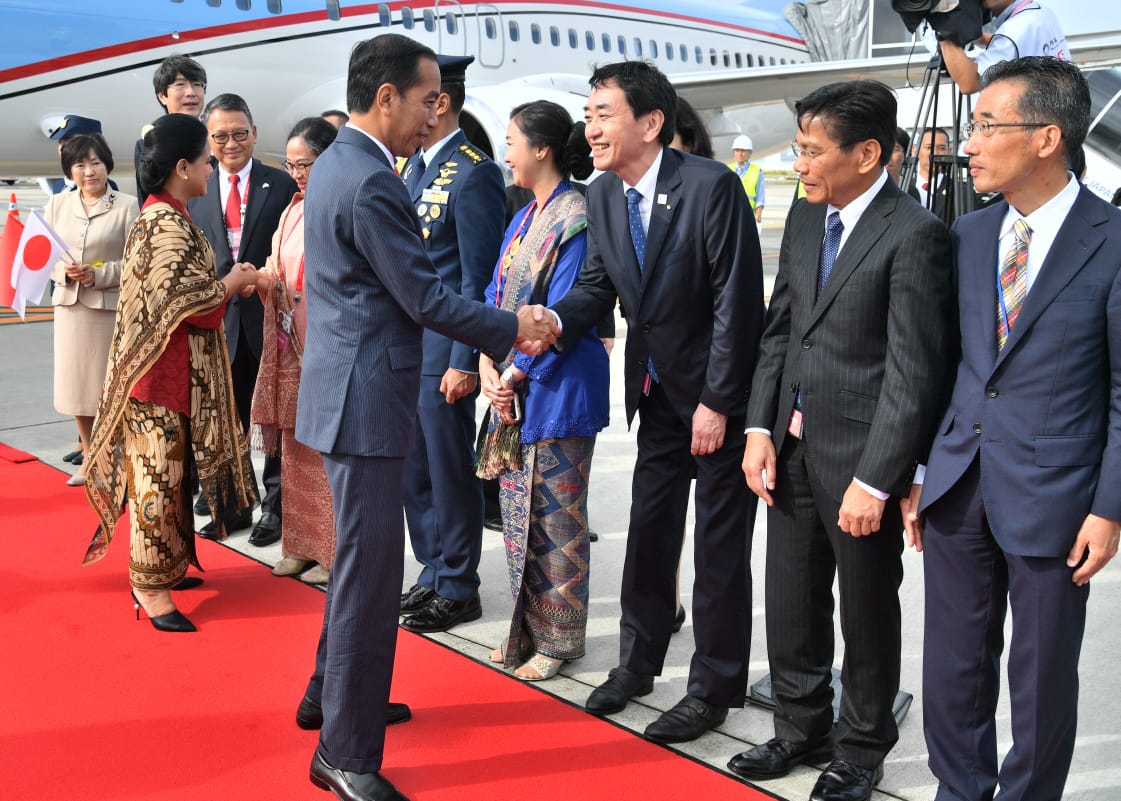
x=1021, y=489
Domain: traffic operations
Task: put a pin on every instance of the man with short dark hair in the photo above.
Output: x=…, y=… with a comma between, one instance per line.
x=1021, y=493
x=370, y=288
x=239, y=214
x=180, y=85
x=843, y=402
x=932, y=192
x=335, y=117
x=460, y=199
x=673, y=237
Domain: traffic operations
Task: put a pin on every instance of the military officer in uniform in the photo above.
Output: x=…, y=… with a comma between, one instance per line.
x=460, y=199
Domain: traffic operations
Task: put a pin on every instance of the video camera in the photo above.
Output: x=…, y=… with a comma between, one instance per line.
x=959, y=21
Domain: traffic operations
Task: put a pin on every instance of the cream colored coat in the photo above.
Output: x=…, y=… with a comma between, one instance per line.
x=100, y=237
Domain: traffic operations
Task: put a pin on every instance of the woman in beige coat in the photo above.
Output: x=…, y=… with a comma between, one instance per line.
x=93, y=221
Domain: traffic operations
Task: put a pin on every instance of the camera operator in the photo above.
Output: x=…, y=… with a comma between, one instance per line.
x=1023, y=28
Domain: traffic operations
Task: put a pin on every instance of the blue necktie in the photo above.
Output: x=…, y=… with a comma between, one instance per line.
x=638, y=233
x=829, y=248
x=638, y=239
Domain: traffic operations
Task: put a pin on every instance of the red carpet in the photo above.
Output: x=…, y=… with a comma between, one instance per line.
x=99, y=707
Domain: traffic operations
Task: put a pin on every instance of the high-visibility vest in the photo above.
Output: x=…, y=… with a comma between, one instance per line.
x=750, y=180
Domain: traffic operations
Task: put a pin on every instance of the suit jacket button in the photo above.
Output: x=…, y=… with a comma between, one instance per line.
x=976, y=428
x=646, y=328
x=992, y=392
x=807, y=344
x=793, y=387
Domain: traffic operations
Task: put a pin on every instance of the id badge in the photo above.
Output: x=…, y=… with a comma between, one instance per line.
x=795, y=425
x=284, y=321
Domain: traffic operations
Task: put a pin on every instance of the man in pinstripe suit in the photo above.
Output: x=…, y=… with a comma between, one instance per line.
x=370, y=289
x=845, y=397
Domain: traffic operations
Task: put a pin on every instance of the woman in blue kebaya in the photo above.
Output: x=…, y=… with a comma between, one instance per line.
x=546, y=410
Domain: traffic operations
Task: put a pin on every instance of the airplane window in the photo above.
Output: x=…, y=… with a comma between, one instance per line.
x=515, y=34
x=750, y=60
x=429, y=20
x=590, y=40
x=739, y=60
x=606, y=43
x=700, y=55
x=214, y=3
x=535, y=33
x=573, y=40
x=772, y=61
x=554, y=35
x=653, y=49
x=782, y=61
x=727, y=59
x=712, y=56
x=669, y=51
x=407, y=18
x=684, y=53
x=622, y=46
x=491, y=28
x=333, y=11
x=638, y=47
x=384, y=17
x=274, y=6
x=451, y=22
x=243, y=5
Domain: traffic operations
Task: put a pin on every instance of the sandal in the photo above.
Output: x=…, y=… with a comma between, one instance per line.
x=543, y=668
x=525, y=646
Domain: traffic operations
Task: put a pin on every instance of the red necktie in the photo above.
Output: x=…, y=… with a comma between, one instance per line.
x=233, y=206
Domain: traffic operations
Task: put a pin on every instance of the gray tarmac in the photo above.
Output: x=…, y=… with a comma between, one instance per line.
x=28, y=421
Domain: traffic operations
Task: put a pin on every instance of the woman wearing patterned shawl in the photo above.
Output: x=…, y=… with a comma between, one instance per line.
x=168, y=396
x=308, y=537
x=546, y=410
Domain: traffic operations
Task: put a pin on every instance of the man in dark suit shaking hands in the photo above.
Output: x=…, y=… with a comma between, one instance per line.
x=370, y=291
x=844, y=400
x=1021, y=493
x=672, y=235
x=239, y=214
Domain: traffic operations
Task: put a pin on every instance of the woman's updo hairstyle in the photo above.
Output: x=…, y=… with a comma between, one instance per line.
x=172, y=137
x=548, y=124
x=316, y=131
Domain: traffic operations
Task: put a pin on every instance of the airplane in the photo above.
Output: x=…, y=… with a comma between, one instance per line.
x=741, y=63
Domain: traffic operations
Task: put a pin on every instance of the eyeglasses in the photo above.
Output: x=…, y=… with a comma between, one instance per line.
x=198, y=86
x=296, y=167
x=222, y=137
x=808, y=155
x=986, y=128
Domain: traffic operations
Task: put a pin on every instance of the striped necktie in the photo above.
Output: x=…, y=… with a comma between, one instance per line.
x=830, y=247
x=1013, y=282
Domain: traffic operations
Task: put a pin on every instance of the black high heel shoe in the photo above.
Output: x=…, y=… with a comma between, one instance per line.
x=172, y=621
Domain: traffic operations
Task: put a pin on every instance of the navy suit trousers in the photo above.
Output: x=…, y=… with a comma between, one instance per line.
x=970, y=583
x=443, y=498
x=354, y=660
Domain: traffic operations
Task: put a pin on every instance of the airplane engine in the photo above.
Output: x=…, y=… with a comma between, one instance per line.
x=486, y=110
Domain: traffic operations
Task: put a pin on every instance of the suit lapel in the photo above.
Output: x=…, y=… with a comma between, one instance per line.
x=1076, y=243
x=212, y=208
x=667, y=195
x=615, y=214
x=978, y=265
x=258, y=196
x=869, y=228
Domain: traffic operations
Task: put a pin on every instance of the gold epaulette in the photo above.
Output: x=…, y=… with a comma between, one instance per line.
x=473, y=154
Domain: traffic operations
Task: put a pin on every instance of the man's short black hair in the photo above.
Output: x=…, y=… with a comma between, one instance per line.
x=388, y=58
x=227, y=102
x=1055, y=92
x=646, y=89
x=852, y=112
x=171, y=68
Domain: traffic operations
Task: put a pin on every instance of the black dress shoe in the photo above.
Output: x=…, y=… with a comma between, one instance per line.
x=687, y=720
x=621, y=686
x=678, y=620
x=267, y=530
x=188, y=583
x=202, y=507
x=71, y=456
x=77, y=460
x=416, y=599
x=592, y=536
x=235, y=523
x=777, y=757
x=493, y=522
x=442, y=613
x=350, y=786
x=309, y=714
x=844, y=781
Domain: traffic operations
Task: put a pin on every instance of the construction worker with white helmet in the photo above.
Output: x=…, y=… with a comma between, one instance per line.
x=751, y=175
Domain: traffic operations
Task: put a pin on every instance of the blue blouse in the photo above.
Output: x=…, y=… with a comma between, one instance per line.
x=566, y=393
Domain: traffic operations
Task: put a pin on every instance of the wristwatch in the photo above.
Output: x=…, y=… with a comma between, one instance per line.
x=508, y=375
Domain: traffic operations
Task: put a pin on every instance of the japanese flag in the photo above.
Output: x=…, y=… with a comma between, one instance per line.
x=39, y=248
x=9, y=243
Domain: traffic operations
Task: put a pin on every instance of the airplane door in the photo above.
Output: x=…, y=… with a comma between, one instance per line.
x=492, y=36
x=451, y=28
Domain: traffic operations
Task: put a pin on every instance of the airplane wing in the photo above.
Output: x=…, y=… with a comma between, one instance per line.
x=735, y=88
